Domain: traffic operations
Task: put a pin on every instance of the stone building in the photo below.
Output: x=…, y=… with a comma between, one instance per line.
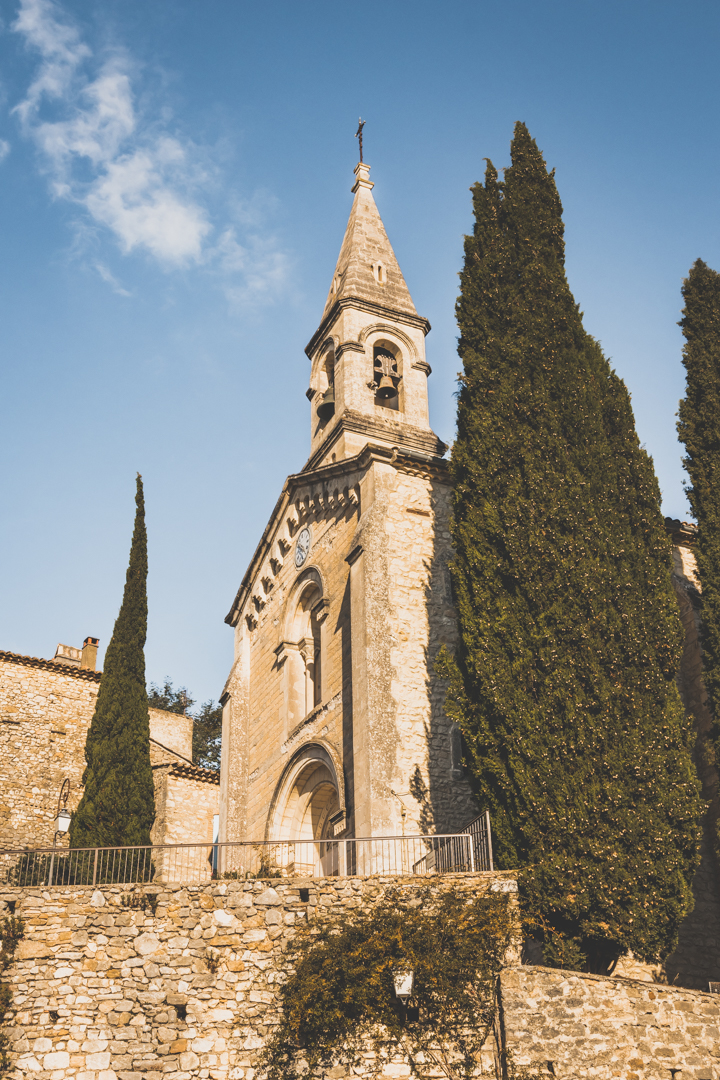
x=333, y=721
x=45, y=711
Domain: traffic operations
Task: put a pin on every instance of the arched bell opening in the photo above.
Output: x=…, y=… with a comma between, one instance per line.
x=386, y=374
x=326, y=405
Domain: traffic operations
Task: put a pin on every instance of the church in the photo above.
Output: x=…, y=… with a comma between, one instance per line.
x=333, y=718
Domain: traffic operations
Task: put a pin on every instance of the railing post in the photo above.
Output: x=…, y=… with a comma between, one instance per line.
x=95, y=867
x=489, y=839
x=52, y=867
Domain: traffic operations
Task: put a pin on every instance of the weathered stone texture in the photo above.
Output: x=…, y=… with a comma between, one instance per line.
x=99, y=989
x=186, y=802
x=45, y=712
x=575, y=1026
x=381, y=569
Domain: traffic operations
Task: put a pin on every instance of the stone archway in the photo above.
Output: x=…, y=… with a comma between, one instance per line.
x=305, y=810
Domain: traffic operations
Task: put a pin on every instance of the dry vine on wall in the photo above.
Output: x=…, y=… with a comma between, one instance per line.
x=11, y=931
x=338, y=1001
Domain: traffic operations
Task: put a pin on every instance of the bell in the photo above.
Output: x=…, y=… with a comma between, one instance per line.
x=386, y=388
x=326, y=408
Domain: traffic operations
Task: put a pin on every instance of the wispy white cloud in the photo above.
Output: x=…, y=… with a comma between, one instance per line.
x=128, y=173
x=251, y=271
x=4, y=149
x=59, y=45
x=111, y=280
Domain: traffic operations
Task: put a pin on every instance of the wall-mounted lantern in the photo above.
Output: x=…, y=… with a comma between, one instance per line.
x=63, y=817
x=403, y=984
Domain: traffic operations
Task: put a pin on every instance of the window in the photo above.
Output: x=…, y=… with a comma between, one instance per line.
x=379, y=273
x=303, y=654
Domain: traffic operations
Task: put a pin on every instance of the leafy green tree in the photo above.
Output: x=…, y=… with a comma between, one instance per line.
x=117, y=808
x=207, y=735
x=168, y=698
x=207, y=722
x=699, y=430
x=564, y=679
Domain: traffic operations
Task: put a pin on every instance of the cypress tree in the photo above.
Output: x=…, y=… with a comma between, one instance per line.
x=699, y=430
x=564, y=679
x=117, y=808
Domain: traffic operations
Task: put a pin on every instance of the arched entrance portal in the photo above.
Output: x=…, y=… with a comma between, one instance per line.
x=306, y=810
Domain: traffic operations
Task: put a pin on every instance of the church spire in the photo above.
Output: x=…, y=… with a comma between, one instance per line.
x=368, y=374
x=367, y=268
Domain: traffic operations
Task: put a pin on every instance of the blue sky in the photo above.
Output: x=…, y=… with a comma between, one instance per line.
x=174, y=185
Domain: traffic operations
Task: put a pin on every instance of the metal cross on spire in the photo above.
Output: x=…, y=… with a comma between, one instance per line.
x=358, y=135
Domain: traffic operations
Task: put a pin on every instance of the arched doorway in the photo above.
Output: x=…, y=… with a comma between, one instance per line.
x=306, y=811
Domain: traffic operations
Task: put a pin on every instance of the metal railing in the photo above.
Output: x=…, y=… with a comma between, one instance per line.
x=479, y=831
x=191, y=864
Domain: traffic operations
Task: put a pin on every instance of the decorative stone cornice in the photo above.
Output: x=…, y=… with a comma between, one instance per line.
x=398, y=434
x=371, y=308
x=349, y=346
x=330, y=489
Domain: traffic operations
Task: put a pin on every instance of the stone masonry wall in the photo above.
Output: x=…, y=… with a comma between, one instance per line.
x=45, y=713
x=106, y=992
x=435, y=796
x=102, y=991
x=568, y=1025
x=258, y=740
x=174, y=792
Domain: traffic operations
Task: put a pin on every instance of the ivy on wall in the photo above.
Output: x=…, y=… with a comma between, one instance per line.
x=339, y=1000
x=12, y=929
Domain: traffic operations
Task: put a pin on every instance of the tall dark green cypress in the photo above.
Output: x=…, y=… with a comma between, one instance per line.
x=699, y=430
x=117, y=808
x=564, y=679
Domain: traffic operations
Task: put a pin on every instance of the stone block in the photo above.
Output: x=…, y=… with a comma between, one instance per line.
x=268, y=898
x=94, y=1046
x=59, y=1059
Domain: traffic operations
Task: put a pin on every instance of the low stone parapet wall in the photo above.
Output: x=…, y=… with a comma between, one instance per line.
x=185, y=986
x=570, y=1025
x=102, y=991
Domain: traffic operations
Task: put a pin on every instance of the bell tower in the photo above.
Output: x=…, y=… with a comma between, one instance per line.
x=333, y=714
x=368, y=376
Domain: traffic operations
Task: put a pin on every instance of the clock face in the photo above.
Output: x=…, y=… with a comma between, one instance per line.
x=302, y=547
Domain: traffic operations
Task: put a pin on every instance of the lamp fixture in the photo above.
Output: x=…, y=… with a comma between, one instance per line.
x=403, y=984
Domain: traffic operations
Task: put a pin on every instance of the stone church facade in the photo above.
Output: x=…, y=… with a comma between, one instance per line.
x=333, y=721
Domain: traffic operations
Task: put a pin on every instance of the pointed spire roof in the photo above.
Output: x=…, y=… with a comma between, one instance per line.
x=365, y=246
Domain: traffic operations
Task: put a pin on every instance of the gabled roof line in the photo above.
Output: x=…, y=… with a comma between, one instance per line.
x=318, y=476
